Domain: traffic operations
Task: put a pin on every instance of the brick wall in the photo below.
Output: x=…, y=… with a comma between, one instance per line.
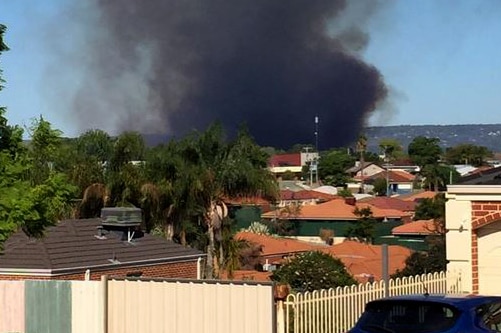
x=482, y=213
x=185, y=269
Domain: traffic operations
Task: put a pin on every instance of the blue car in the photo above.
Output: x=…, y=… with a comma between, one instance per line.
x=431, y=314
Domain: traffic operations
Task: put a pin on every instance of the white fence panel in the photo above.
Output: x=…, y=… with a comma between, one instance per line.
x=337, y=310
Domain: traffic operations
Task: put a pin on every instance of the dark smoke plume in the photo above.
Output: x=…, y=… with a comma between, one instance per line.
x=171, y=66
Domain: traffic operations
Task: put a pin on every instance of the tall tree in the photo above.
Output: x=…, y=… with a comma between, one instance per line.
x=222, y=171
x=361, y=149
x=467, y=154
x=391, y=149
x=425, y=151
x=332, y=167
x=25, y=204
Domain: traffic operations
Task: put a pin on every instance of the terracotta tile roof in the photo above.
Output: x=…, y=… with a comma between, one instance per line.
x=418, y=196
x=361, y=260
x=285, y=160
x=390, y=203
x=305, y=195
x=338, y=209
x=73, y=245
x=365, y=260
x=394, y=176
x=257, y=201
x=275, y=247
x=419, y=227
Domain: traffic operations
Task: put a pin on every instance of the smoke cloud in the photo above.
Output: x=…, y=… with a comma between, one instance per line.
x=171, y=66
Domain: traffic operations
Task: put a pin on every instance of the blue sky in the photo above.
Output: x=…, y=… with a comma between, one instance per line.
x=440, y=58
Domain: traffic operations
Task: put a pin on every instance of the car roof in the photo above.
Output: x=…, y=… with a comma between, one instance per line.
x=461, y=301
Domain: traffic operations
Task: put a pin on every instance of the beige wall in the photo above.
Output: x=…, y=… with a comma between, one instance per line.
x=471, y=249
x=370, y=170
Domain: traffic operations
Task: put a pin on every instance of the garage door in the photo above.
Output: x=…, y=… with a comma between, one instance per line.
x=489, y=259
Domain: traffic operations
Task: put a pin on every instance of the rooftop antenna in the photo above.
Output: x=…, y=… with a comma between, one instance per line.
x=316, y=133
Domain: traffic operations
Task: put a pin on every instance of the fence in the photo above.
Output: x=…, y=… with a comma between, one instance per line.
x=337, y=310
x=136, y=306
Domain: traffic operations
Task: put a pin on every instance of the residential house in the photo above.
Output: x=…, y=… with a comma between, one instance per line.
x=363, y=261
x=89, y=248
x=367, y=169
x=281, y=163
x=337, y=215
x=473, y=238
x=399, y=181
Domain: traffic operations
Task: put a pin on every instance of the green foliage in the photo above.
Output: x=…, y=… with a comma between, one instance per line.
x=380, y=187
x=424, y=151
x=391, y=148
x=3, y=47
x=363, y=228
x=332, y=167
x=467, y=154
x=311, y=271
x=433, y=208
x=345, y=193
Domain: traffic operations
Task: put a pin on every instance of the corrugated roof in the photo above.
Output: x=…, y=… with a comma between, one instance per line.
x=73, y=244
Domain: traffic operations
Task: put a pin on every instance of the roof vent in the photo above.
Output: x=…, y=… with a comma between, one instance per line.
x=121, y=216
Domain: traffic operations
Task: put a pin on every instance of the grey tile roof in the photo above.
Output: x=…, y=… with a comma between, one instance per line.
x=74, y=245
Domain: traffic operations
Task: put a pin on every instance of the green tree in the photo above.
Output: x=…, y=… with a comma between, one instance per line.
x=220, y=170
x=311, y=271
x=332, y=167
x=391, y=149
x=25, y=203
x=425, y=151
x=45, y=143
x=380, y=187
x=363, y=228
x=361, y=148
x=467, y=154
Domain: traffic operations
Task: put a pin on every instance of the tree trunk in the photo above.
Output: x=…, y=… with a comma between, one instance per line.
x=169, y=231
x=209, y=274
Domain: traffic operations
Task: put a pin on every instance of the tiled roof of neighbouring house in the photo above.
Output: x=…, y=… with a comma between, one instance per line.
x=364, y=260
x=394, y=176
x=420, y=227
x=361, y=260
x=305, y=195
x=417, y=196
x=285, y=160
x=390, y=203
x=336, y=209
x=75, y=244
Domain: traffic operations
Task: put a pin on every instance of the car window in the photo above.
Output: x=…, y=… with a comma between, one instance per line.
x=489, y=316
x=405, y=316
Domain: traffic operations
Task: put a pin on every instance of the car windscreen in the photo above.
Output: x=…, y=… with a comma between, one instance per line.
x=407, y=316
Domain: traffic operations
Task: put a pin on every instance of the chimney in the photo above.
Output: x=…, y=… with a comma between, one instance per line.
x=350, y=201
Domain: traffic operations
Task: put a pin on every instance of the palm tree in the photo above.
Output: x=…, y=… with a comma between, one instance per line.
x=361, y=148
x=221, y=171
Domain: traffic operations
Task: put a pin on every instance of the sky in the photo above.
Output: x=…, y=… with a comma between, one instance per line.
x=440, y=59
